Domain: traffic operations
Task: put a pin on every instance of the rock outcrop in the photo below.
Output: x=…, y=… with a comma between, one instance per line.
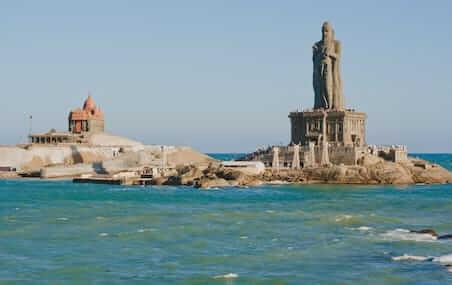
x=370, y=171
x=213, y=176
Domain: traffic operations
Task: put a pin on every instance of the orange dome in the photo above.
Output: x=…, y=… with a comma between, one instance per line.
x=89, y=104
x=90, y=111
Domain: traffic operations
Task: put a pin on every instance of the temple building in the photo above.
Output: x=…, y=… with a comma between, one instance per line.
x=88, y=119
x=82, y=123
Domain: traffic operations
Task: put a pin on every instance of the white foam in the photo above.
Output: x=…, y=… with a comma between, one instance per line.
x=244, y=237
x=364, y=228
x=269, y=211
x=407, y=257
x=444, y=259
x=227, y=276
x=145, y=230
x=402, y=230
x=62, y=219
x=402, y=234
x=103, y=234
x=343, y=217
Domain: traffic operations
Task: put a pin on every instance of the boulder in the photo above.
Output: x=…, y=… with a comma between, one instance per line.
x=159, y=181
x=208, y=183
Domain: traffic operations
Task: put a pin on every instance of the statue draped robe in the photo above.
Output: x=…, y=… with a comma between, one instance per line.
x=327, y=80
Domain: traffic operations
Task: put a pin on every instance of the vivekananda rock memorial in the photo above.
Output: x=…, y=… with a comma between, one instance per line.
x=82, y=123
x=86, y=149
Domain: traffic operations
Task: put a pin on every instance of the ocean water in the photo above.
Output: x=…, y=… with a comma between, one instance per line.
x=56, y=232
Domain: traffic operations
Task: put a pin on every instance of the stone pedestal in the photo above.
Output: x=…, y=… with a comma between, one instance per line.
x=343, y=127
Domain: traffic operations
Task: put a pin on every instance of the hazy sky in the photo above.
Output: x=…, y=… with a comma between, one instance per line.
x=222, y=76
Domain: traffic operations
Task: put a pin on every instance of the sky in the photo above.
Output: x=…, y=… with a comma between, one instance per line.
x=222, y=75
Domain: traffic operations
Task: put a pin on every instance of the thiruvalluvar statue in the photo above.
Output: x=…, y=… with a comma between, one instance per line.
x=327, y=82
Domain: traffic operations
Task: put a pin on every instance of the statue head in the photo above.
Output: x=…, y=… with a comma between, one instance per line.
x=327, y=32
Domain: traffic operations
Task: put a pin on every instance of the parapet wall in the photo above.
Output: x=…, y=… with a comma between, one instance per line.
x=345, y=155
x=395, y=153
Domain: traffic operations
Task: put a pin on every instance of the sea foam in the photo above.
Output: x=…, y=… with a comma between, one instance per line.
x=342, y=218
x=444, y=259
x=362, y=229
x=407, y=257
x=226, y=276
x=145, y=230
x=403, y=234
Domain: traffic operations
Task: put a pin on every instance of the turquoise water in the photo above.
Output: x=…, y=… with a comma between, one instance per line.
x=227, y=156
x=56, y=232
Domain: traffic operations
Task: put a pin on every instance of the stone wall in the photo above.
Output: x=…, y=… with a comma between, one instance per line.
x=122, y=163
x=35, y=157
x=346, y=155
x=96, y=126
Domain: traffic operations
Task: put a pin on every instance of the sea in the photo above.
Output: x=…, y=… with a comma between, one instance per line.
x=57, y=232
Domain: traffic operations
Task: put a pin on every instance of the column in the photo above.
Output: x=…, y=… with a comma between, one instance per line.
x=275, y=164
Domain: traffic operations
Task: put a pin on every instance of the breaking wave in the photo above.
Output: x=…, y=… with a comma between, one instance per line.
x=403, y=234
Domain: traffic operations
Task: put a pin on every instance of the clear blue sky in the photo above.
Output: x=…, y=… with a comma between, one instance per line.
x=221, y=76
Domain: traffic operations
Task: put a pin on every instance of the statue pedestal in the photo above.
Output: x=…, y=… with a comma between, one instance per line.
x=343, y=127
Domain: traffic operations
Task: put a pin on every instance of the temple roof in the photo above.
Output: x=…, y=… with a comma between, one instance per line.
x=89, y=111
x=89, y=104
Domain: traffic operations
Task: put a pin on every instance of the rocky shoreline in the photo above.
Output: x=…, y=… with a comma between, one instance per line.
x=377, y=171
x=370, y=171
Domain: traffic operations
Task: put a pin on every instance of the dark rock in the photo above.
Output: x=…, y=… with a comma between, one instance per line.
x=159, y=180
x=173, y=180
x=448, y=236
x=425, y=231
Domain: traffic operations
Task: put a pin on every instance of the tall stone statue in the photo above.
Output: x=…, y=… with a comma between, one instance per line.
x=327, y=82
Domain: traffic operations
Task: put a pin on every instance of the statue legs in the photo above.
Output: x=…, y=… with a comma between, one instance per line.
x=327, y=85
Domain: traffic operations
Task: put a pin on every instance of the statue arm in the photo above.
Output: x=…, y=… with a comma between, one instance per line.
x=337, y=50
x=315, y=52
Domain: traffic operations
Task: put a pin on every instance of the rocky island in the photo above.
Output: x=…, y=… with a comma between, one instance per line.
x=328, y=143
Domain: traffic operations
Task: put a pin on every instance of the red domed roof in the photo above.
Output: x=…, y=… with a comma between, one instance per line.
x=89, y=104
x=90, y=111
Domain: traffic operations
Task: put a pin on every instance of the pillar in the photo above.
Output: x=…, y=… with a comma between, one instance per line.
x=296, y=157
x=275, y=164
